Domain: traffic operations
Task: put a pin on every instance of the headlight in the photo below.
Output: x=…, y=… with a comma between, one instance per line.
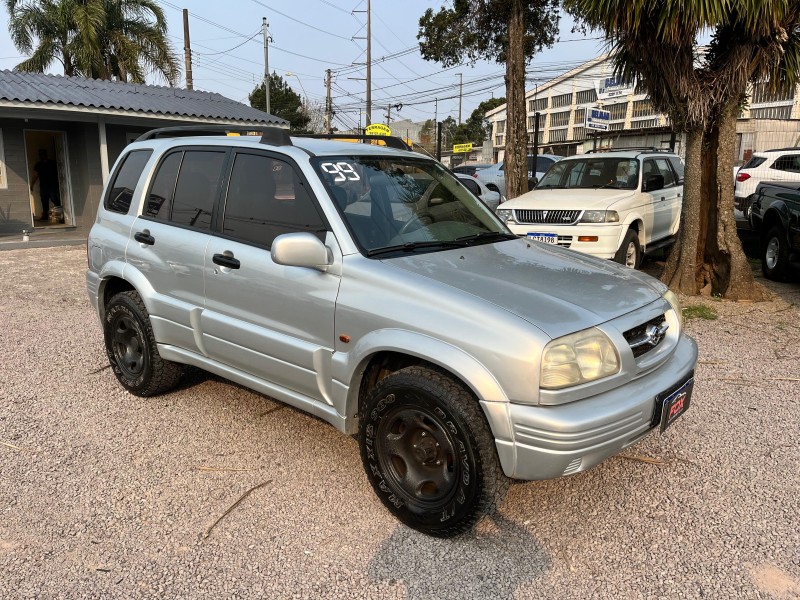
x=600, y=216
x=675, y=303
x=505, y=214
x=578, y=358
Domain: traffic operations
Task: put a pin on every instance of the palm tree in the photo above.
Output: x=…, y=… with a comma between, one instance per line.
x=702, y=91
x=104, y=39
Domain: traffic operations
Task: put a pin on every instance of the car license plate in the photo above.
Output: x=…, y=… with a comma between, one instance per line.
x=675, y=404
x=547, y=238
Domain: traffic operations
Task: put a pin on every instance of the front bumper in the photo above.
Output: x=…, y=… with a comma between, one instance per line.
x=608, y=236
x=552, y=441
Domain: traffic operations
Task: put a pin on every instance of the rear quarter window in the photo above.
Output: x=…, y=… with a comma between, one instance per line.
x=120, y=191
x=755, y=161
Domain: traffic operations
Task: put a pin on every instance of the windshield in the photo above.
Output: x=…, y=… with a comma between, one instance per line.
x=593, y=173
x=392, y=204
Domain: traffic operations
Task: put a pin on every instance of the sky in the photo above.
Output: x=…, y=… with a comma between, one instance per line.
x=310, y=36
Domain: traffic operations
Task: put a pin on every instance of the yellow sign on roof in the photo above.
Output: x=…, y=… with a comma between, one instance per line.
x=459, y=148
x=378, y=129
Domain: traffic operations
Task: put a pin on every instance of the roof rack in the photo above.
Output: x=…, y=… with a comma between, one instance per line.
x=790, y=149
x=390, y=140
x=631, y=149
x=272, y=136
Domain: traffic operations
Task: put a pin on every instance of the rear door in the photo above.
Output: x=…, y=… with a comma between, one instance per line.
x=170, y=238
x=665, y=202
x=272, y=321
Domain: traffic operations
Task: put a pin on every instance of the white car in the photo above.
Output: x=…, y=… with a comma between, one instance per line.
x=490, y=198
x=615, y=205
x=495, y=176
x=772, y=165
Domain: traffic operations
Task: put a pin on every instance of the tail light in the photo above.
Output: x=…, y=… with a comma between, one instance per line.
x=742, y=177
x=475, y=174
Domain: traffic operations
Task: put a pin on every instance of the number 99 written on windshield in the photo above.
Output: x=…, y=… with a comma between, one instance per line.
x=342, y=170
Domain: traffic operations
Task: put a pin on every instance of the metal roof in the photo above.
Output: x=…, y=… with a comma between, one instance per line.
x=146, y=100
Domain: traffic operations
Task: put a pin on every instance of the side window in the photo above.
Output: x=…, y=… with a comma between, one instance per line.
x=543, y=163
x=471, y=186
x=788, y=163
x=649, y=168
x=127, y=176
x=159, y=200
x=266, y=199
x=198, y=185
x=677, y=165
x=666, y=171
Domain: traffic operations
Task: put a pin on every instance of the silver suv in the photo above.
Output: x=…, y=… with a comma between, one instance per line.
x=367, y=286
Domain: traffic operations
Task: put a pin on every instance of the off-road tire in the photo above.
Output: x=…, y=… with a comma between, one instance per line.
x=775, y=254
x=131, y=348
x=631, y=239
x=411, y=419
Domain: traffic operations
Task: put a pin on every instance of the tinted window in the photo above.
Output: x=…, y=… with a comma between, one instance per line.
x=127, y=176
x=471, y=186
x=266, y=199
x=754, y=162
x=592, y=172
x=649, y=168
x=159, y=200
x=677, y=165
x=543, y=163
x=666, y=171
x=788, y=163
x=198, y=184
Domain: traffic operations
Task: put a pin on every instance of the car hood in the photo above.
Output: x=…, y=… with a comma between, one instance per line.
x=557, y=290
x=572, y=199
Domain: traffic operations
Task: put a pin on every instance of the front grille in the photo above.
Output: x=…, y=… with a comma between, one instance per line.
x=637, y=337
x=553, y=217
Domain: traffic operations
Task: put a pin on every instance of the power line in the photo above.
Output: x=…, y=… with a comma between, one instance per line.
x=275, y=10
x=230, y=49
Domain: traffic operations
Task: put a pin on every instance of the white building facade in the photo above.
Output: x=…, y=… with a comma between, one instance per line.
x=769, y=121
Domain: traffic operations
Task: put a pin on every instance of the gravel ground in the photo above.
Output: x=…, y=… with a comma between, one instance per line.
x=106, y=495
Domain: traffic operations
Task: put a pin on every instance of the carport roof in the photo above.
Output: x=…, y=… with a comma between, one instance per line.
x=96, y=95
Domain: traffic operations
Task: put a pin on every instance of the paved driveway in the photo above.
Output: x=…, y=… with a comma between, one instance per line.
x=105, y=495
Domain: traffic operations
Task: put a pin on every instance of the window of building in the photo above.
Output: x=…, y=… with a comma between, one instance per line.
x=537, y=104
x=557, y=135
x=771, y=112
x=125, y=179
x=616, y=126
x=644, y=124
x=541, y=138
x=580, y=116
x=197, y=188
x=762, y=93
x=159, y=200
x=559, y=119
x=498, y=140
x=586, y=96
x=578, y=133
x=642, y=108
x=562, y=100
x=617, y=111
x=266, y=199
x=501, y=127
x=3, y=175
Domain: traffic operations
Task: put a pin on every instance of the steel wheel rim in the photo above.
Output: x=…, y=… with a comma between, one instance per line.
x=630, y=255
x=128, y=346
x=418, y=456
x=771, y=255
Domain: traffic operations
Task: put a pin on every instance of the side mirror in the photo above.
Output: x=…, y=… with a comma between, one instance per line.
x=653, y=182
x=532, y=183
x=301, y=250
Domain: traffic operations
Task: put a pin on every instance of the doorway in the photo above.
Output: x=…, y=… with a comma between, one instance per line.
x=48, y=170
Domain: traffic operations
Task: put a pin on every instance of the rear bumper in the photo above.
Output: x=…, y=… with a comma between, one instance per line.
x=552, y=441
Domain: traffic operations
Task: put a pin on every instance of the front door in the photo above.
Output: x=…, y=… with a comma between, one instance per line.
x=271, y=321
x=49, y=178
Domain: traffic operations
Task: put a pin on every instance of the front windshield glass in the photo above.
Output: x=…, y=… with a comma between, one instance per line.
x=394, y=204
x=593, y=172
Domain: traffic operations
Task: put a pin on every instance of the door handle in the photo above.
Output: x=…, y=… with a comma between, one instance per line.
x=224, y=260
x=144, y=237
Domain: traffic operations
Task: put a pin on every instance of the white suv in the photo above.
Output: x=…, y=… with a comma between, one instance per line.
x=772, y=165
x=613, y=205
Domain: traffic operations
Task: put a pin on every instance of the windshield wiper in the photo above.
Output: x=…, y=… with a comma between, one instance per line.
x=411, y=246
x=548, y=186
x=487, y=235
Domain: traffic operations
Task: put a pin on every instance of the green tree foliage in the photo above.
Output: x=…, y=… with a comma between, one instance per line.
x=284, y=102
x=702, y=90
x=507, y=31
x=101, y=39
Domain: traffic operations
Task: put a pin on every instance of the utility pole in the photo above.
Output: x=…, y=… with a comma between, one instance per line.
x=388, y=115
x=266, y=61
x=328, y=101
x=187, y=50
x=369, y=64
x=460, y=93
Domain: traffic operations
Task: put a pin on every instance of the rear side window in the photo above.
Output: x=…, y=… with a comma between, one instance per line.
x=159, y=200
x=755, y=161
x=266, y=199
x=125, y=179
x=677, y=164
x=789, y=163
x=197, y=188
x=471, y=186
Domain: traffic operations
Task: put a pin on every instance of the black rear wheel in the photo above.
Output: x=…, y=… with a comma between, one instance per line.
x=428, y=452
x=131, y=348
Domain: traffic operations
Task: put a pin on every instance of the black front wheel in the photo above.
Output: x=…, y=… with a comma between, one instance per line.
x=131, y=348
x=775, y=254
x=428, y=452
x=630, y=251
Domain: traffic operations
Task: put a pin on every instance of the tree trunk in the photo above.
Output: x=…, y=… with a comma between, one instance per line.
x=681, y=269
x=516, y=156
x=729, y=271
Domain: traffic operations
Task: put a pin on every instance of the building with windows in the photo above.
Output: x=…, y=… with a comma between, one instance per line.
x=769, y=121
